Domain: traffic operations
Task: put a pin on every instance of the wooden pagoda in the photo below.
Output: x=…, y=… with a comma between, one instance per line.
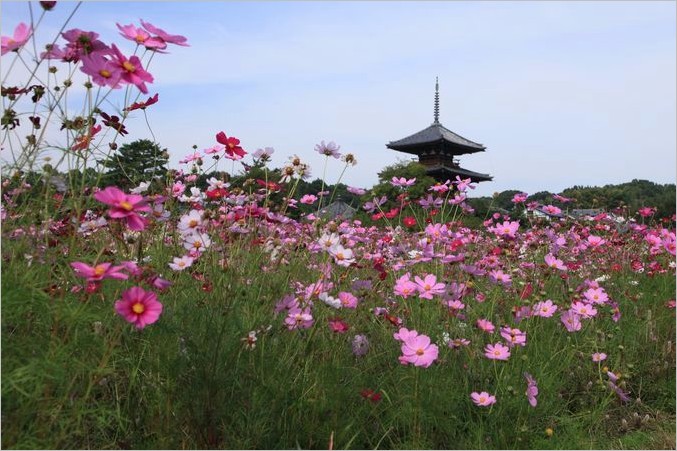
x=437, y=147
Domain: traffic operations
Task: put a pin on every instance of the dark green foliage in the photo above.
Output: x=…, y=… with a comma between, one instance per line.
x=136, y=162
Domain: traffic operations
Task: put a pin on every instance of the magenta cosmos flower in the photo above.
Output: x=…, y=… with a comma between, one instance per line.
x=124, y=206
x=162, y=34
x=497, y=352
x=483, y=399
x=99, y=272
x=141, y=37
x=104, y=72
x=22, y=33
x=532, y=389
x=419, y=351
x=132, y=70
x=139, y=307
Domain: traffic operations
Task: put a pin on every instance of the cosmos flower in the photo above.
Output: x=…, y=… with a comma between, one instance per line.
x=139, y=307
x=22, y=33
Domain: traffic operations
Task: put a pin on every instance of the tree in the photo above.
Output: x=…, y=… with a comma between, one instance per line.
x=136, y=162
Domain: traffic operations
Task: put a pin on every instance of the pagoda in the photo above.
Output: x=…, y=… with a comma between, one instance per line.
x=437, y=147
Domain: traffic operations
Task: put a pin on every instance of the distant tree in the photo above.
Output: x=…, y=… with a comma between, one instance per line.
x=136, y=162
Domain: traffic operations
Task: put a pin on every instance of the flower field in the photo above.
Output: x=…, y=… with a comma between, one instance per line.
x=196, y=312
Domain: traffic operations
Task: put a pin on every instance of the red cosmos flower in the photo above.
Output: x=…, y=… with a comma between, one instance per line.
x=270, y=186
x=339, y=326
x=82, y=142
x=371, y=395
x=216, y=193
x=392, y=213
x=409, y=221
x=142, y=105
x=232, y=144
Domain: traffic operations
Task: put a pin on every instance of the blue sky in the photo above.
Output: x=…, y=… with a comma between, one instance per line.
x=560, y=93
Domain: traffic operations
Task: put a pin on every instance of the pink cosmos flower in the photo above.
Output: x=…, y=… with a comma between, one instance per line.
x=595, y=241
x=418, y=351
x=508, y=229
x=330, y=149
x=598, y=357
x=554, y=262
x=338, y=326
x=348, y=300
x=297, y=319
x=645, y=212
x=404, y=286
x=428, y=286
x=457, y=343
x=22, y=33
x=596, y=295
x=552, y=210
x=98, y=272
x=482, y=399
x=168, y=38
x=124, y=206
x=132, y=70
x=571, y=320
x=497, y=352
x=532, y=389
x=514, y=337
x=139, y=307
x=519, y=198
x=402, y=182
x=141, y=37
x=104, y=72
x=342, y=256
x=485, y=325
x=308, y=199
x=498, y=276
x=583, y=309
x=545, y=309
x=405, y=334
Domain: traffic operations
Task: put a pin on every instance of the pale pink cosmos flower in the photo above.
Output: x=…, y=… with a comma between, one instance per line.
x=196, y=242
x=545, y=309
x=519, y=198
x=428, y=286
x=402, y=182
x=297, y=319
x=532, y=389
x=342, y=256
x=190, y=222
x=181, y=263
x=554, y=262
x=22, y=33
x=482, y=399
x=507, y=228
x=457, y=343
x=514, y=337
x=595, y=241
x=599, y=357
x=497, y=351
x=405, y=334
x=571, y=320
x=552, y=210
x=498, y=276
x=330, y=149
x=104, y=72
x=124, y=206
x=139, y=307
x=99, y=272
x=418, y=351
x=485, y=325
x=348, y=300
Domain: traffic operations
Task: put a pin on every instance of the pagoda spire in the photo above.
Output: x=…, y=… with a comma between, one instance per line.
x=437, y=101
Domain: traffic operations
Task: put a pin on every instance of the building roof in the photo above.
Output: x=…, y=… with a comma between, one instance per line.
x=436, y=133
x=461, y=172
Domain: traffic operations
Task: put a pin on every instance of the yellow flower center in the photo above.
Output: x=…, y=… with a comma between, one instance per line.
x=129, y=67
x=105, y=73
x=420, y=351
x=140, y=38
x=197, y=244
x=192, y=223
x=126, y=205
x=138, y=308
x=99, y=270
x=483, y=399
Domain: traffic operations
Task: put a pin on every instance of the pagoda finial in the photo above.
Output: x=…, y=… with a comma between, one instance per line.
x=437, y=101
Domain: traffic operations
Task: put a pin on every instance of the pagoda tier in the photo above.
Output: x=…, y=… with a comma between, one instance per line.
x=436, y=147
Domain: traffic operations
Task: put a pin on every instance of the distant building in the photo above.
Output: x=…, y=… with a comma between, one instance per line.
x=336, y=209
x=437, y=147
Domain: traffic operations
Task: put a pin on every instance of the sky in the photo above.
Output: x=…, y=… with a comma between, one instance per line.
x=560, y=93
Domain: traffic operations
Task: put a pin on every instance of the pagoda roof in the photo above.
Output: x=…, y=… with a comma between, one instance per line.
x=457, y=170
x=436, y=133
